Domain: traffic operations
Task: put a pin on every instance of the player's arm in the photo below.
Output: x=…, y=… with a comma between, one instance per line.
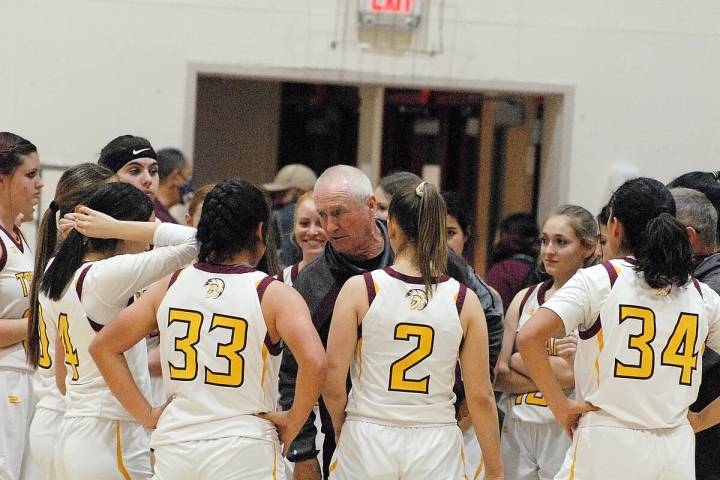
x=561, y=367
x=474, y=360
x=706, y=418
x=510, y=324
x=342, y=340
x=92, y=223
x=710, y=415
x=122, y=333
x=12, y=331
x=531, y=341
x=288, y=318
x=505, y=379
x=60, y=369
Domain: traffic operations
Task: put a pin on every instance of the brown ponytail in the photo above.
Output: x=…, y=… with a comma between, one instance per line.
x=76, y=186
x=422, y=215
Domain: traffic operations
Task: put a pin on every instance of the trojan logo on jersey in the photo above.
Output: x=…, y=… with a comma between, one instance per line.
x=215, y=287
x=418, y=298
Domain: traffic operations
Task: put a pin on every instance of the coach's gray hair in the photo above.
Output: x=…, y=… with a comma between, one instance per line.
x=695, y=210
x=357, y=183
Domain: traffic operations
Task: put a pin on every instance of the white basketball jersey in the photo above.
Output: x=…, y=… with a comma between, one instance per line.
x=16, y=267
x=289, y=274
x=531, y=406
x=46, y=391
x=87, y=394
x=639, y=356
x=216, y=356
x=403, y=369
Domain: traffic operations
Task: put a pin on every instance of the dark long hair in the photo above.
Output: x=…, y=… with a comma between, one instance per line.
x=77, y=184
x=646, y=210
x=421, y=214
x=231, y=213
x=121, y=201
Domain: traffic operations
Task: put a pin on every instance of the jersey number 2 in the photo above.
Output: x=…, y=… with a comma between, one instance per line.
x=230, y=351
x=678, y=352
x=398, y=370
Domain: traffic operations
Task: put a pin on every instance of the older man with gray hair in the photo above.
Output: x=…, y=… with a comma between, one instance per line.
x=700, y=217
x=357, y=243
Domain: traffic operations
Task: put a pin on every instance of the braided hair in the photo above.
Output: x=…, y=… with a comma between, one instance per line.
x=229, y=219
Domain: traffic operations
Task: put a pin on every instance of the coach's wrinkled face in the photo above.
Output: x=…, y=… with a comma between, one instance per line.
x=348, y=224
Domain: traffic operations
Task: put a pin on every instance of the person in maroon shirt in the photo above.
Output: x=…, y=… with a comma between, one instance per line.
x=174, y=171
x=514, y=257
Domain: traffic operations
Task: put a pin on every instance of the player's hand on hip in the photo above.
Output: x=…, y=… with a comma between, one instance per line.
x=696, y=421
x=288, y=426
x=155, y=413
x=569, y=412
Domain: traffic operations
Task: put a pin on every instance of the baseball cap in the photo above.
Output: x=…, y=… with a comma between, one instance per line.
x=294, y=175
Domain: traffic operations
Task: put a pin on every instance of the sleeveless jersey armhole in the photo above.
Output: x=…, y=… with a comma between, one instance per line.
x=597, y=325
x=274, y=349
x=460, y=301
x=3, y=255
x=370, y=286
x=78, y=289
x=174, y=277
x=371, y=293
x=526, y=297
x=696, y=284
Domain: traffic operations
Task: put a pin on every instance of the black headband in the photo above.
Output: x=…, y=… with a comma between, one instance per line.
x=116, y=160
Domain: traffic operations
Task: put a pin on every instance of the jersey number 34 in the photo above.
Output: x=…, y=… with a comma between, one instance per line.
x=680, y=350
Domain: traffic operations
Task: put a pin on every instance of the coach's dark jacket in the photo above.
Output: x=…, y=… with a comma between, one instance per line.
x=319, y=284
x=707, y=442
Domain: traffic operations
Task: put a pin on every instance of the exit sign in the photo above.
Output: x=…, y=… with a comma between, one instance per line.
x=394, y=14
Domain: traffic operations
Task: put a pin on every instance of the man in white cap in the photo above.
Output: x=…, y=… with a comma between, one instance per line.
x=290, y=182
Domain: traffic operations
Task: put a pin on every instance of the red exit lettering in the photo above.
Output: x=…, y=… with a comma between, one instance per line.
x=392, y=6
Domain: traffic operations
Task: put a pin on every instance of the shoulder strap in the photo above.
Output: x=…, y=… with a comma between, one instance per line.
x=461, y=298
x=697, y=286
x=612, y=272
x=280, y=275
x=263, y=285
x=597, y=324
x=174, y=277
x=370, y=286
x=528, y=292
x=80, y=281
x=78, y=289
x=3, y=254
x=294, y=270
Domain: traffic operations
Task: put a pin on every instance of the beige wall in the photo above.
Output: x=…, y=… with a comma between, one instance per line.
x=643, y=75
x=236, y=129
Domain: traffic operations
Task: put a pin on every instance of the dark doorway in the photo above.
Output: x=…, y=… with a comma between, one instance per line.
x=318, y=125
x=442, y=129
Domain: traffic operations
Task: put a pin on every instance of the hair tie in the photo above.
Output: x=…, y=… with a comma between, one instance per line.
x=54, y=206
x=420, y=189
